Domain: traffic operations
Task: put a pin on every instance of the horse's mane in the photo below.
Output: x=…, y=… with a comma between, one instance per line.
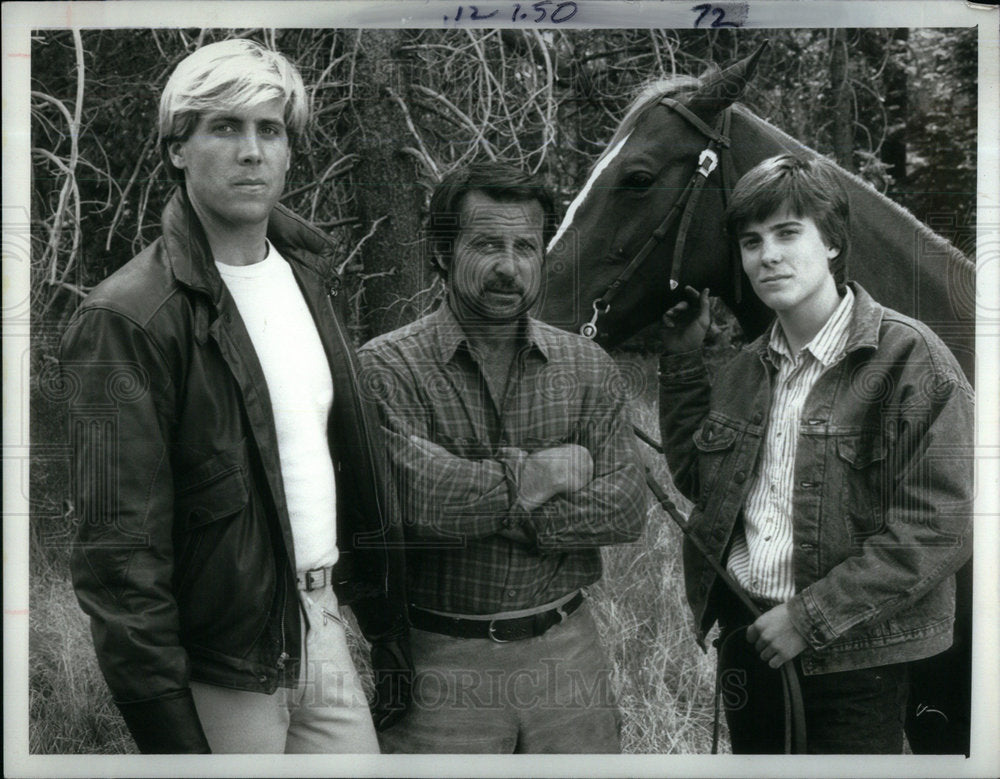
x=649, y=94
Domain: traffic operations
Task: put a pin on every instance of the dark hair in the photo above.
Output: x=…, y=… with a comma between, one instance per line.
x=806, y=187
x=499, y=181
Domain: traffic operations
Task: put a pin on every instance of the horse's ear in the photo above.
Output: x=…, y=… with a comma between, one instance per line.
x=724, y=89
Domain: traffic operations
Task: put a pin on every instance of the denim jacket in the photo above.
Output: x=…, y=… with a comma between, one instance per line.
x=882, y=504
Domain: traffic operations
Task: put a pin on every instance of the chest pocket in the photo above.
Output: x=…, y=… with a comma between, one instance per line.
x=866, y=483
x=715, y=441
x=213, y=492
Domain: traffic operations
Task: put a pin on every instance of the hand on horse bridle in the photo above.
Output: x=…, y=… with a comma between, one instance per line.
x=685, y=323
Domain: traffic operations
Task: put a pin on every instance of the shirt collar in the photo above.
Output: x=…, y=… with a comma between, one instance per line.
x=827, y=346
x=450, y=334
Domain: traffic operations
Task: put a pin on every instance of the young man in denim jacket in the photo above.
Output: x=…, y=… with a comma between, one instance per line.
x=830, y=465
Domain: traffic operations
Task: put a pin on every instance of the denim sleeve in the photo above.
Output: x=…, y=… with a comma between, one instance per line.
x=684, y=400
x=928, y=525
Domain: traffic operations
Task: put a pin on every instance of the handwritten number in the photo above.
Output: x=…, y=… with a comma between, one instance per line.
x=563, y=12
x=719, y=16
x=477, y=18
x=541, y=11
x=719, y=13
x=572, y=12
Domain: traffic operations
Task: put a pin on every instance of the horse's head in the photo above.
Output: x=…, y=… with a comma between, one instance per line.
x=614, y=250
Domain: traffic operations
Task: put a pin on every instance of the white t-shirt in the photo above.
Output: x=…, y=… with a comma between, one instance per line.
x=300, y=386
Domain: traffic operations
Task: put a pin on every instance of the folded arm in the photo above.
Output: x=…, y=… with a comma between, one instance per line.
x=610, y=507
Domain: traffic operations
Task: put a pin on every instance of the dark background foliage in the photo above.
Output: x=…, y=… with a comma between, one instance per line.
x=394, y=109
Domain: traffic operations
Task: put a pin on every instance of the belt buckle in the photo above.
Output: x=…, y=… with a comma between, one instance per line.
x=315, y=579
x=492, y=634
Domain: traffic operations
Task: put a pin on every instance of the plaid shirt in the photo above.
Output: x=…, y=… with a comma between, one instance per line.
x=457, y=504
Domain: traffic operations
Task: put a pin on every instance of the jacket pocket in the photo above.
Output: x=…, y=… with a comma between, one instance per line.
x=225, y=571
x=219, y=496
x=866, y=484
x=715, y=442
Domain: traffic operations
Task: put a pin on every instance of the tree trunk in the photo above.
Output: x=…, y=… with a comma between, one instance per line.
x=897, y=108
x=386, y=184
x=843, y=115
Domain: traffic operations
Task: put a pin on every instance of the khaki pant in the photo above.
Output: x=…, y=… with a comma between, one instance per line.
x=326, y=713
x=548, y=694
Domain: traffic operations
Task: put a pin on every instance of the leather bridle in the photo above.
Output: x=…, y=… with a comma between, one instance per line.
x=684, y=207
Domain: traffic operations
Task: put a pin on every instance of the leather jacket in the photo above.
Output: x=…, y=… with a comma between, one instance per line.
x=883, y=489
x=184, y=558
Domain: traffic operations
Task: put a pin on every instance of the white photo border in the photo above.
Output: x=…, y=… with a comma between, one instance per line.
x=19, y=19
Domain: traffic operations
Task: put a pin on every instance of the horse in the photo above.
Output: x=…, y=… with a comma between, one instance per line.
x=650, y=220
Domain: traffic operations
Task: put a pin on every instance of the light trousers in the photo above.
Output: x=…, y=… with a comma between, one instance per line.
x=548, y=694
x=326, y=713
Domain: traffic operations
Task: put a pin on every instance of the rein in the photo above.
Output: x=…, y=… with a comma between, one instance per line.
x=684, y=206
x=795, y=727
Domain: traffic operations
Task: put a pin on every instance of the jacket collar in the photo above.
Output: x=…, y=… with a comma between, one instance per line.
x=190, y=257
x=866, y=320
x=449, y=334
x=862, y=332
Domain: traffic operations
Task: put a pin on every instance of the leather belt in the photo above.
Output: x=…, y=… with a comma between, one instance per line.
x=499, y=630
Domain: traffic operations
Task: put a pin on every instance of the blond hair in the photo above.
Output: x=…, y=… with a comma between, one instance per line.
x=236, y=73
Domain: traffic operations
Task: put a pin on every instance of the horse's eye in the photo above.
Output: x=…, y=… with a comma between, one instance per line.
x=638, y=180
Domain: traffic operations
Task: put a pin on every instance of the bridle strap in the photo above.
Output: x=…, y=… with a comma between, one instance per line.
x=716, y=134
x=729, y=178
x=720, y=136
x=651, y=243
x=684, y=207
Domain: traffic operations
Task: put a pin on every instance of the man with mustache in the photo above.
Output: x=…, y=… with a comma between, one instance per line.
x=226, y=467
x=830, y=463
x=515, y=463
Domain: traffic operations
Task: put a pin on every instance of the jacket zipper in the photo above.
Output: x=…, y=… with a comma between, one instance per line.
x=284, y=606
x=363, y=419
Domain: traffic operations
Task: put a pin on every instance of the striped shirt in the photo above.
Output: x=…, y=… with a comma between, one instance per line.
x=761, y=555
x=458, y=498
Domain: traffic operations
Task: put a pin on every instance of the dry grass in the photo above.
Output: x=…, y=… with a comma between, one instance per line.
x=664, y=681
x=70, y=709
